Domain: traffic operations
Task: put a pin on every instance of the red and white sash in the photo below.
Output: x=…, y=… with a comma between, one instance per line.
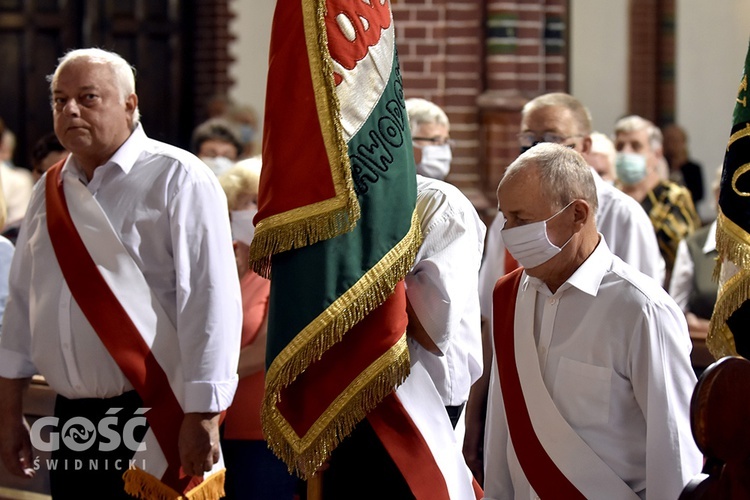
x=554, y=458
x=115, y=298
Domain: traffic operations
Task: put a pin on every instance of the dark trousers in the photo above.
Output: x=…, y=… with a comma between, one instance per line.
x=360, y=467
x=84, y=467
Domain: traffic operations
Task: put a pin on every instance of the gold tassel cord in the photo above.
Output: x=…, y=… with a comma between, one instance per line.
x=141, y=484
x=732, y=244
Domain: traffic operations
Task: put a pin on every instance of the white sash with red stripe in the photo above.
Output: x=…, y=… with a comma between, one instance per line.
x=126, y=281
x=575, y=459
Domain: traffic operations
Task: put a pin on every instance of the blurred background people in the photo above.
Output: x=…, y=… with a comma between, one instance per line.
x=253, y=471
x=217, y=142
x=693, y=287
x=17, y=181
x=682, y=169
x=46, y=152
x=668, y=205
x=246, y=120
x=601, y=156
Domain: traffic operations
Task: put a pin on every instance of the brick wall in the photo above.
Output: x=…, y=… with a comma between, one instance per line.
x=441, y=52
x=652, y=60
x=481, y=60
x=211, y=56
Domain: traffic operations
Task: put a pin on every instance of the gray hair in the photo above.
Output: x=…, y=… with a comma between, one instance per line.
x=580, y=113
x=423, y=111
x=123, y=72
x=563, y=174
x=634, y=123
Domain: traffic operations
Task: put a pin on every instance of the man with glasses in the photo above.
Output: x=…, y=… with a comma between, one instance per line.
x=442, y=287
x=430, y=130
x=560, y=119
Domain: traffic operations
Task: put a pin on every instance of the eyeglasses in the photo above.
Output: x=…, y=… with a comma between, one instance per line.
x=529, y=139
x=437, y=140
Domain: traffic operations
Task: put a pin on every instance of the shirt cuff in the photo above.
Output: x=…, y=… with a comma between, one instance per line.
x=15, y=365
x=209, y=397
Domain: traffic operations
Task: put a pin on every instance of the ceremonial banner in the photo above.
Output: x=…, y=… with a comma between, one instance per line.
x=336, y=228
x=728, y=332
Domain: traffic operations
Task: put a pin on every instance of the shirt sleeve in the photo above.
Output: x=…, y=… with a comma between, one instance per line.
x=681, y=283
x=493, y=265
x=209, y=309
x=444, y=278
x=15, y=342
x=663, y=382
x=634, y=239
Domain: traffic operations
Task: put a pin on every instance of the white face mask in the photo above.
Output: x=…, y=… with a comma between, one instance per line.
x=436, y=161
x=218, y=164
x=242, y=225
x=530, y=245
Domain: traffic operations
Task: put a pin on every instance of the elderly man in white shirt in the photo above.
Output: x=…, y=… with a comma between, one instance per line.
x=591, y=378
x=561, y=118
x=150, y=224
x=442, y=292
x=445, y=323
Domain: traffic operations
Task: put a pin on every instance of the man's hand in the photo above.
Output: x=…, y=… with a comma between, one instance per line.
x=199, y=442
x=15, y=444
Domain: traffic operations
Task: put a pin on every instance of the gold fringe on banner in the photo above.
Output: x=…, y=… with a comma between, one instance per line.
x=324, y=220
x=305, y=455
x=732, y=244
x=141, y=484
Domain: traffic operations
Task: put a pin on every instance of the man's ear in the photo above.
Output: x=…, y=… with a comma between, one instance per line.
x=131, y=104
x=586, y=145
x=581, y=213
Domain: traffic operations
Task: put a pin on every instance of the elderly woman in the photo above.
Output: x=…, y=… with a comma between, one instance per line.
x=252, y=470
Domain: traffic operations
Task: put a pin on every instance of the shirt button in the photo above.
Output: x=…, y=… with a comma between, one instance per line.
x=553, y=301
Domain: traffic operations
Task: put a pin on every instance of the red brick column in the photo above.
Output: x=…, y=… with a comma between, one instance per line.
x=441, y=51
x=211, y=57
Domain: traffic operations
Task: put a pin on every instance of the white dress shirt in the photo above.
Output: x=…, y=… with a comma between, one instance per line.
x=442, y=288
x=171, y=216
x=614, y=353
x=623, y=222
x=681, y=283
x=6, y=256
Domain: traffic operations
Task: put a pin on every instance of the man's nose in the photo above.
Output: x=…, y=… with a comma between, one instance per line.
x=71, y=108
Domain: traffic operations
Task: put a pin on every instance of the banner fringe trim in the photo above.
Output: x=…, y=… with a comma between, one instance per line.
x=304, y=463
x=141, y=484
x=320, y=335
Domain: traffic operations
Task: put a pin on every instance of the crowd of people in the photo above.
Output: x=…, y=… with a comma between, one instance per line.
x=550, y=337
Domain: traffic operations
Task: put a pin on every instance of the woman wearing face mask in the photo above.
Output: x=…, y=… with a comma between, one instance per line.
x=429, y=133
x=640, y=174
x=253, y=471
x=218, y=143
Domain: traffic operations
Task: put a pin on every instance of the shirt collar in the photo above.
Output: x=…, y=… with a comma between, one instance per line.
x=710, y=244
x=125, y=156
x=587, y=277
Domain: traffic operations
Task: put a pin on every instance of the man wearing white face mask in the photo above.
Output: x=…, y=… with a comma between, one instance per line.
x=669, y=206
x=591, y=378
x=430, y=129
x=562, y=119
